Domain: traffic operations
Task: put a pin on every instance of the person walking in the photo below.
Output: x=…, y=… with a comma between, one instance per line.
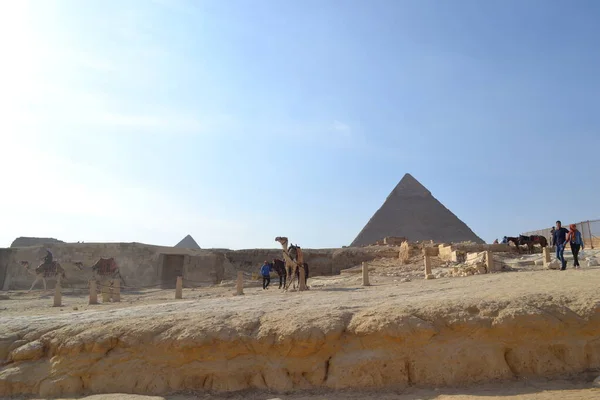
x=560, y=240
x=265, y=271
x=576, y=241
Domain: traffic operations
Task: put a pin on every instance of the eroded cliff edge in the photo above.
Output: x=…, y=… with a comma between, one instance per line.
x=230, y=344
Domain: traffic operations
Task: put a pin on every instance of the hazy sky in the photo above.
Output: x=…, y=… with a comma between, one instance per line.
x=240, y=120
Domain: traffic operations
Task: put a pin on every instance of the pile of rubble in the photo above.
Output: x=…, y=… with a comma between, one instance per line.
x=474, y=264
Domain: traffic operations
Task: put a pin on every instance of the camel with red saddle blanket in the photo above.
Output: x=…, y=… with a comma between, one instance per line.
x=104, y=269
x=46, y=270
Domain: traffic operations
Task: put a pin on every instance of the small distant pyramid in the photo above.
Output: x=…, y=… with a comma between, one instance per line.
x=188, y=242
x=412, y=212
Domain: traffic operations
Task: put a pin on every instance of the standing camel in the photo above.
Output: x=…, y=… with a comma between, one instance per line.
x=104, y=269
x=293, y=259
x=52, y=270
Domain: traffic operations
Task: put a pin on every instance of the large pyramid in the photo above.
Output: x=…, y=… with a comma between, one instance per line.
x=411, y=211
x=188, y=242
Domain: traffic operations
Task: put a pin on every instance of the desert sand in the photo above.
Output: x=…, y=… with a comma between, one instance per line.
x=528, y=334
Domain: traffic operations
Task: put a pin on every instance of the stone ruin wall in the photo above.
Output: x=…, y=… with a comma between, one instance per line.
x=141, y=264
x=320, y=261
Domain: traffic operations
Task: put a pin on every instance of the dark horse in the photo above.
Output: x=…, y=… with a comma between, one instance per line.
x=515, y=240
x=279, y=266
x=508, y=239
x=532, y=240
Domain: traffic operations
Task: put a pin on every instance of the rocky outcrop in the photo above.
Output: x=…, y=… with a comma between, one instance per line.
x=33, y=241
x=200, y=346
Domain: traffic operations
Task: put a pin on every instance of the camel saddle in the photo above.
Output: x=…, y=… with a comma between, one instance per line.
x=48, y=269
x=105, y=266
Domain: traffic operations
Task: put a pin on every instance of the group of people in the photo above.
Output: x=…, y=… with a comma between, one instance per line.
x=561, y=237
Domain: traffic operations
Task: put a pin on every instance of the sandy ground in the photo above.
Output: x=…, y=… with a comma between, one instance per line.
x=391, y=283
x=536, y=390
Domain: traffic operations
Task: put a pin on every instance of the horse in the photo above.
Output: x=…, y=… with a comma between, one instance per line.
x=532, y=240
x=279, y=266
x=508, y=239
x=515, y=240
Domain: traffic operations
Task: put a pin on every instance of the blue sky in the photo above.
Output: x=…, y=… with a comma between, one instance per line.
x=237, y=121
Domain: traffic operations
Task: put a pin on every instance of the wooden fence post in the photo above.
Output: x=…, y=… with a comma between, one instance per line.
x=489, y=262
x=57, y=294
x=93, y=292
x=116, y=294
x=179, y=288
x=365, y=274
x=240, y=284
x=105, y=290
x=427, y=262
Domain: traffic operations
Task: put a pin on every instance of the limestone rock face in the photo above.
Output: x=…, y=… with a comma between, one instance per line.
x=411, y=211
x=30, y=351
x=157, y=349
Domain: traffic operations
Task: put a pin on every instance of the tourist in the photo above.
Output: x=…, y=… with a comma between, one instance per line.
x=576, y=241
x=560, y=240
x=496, y=241
x=265, y=271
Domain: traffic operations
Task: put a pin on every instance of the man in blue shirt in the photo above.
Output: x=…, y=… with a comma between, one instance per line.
x=559, y=239
x=265, y=271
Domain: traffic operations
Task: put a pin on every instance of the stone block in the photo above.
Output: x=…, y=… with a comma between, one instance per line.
x=554, y=264
x=593, y=262
x=445, y=252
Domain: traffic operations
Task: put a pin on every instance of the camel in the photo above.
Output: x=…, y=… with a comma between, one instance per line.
x=104, y=269
x=45, y=271
x=293, y=259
